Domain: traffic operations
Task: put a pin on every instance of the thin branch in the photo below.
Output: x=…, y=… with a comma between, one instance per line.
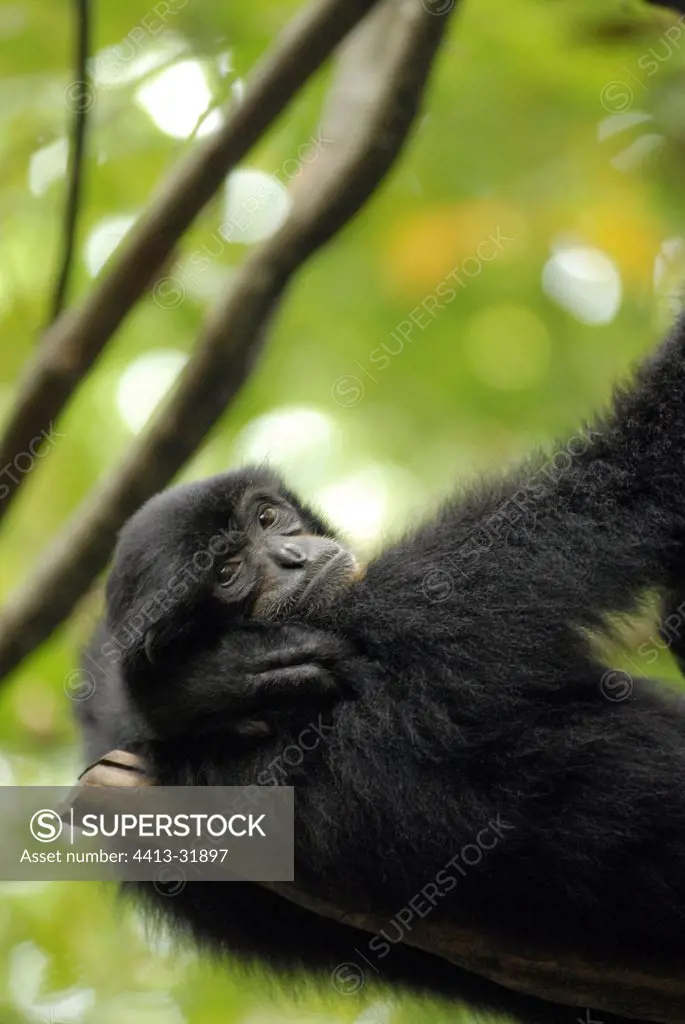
x=82, y=103
x=227, y=349
x=71, y=345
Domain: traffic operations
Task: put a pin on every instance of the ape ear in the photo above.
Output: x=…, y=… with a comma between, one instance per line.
x=167, y=637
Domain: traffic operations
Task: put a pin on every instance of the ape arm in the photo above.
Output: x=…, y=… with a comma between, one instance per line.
x=576, y=534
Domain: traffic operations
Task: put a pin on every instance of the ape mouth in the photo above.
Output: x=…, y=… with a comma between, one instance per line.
x=319, y=584
x=332, y=568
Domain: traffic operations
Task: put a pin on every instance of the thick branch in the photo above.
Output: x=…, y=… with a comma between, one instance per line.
x=361, y=70
x=226, y=350
x=69, y=348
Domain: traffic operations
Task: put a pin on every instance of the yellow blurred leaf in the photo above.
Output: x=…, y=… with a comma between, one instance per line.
x=422, y=248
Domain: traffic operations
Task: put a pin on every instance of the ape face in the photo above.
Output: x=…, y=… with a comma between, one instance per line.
x=234, y=548
x=279, y=557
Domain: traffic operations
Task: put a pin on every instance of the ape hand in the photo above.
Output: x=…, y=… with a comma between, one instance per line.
x=278, y=666
x=247, y=681
x=120, y=768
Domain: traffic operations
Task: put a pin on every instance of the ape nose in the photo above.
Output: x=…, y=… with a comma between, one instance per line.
x=290, y=555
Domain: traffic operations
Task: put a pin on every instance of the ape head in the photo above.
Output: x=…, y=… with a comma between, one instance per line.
x=201, y=557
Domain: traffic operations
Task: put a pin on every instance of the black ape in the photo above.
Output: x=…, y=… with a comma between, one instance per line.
x=462, y=695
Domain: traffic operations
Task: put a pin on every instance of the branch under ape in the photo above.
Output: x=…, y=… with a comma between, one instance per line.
x=228, y=346
x=642, y=992
x=72, y=344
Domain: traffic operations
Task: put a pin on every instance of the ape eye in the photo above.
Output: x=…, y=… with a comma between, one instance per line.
x=228, y=572
x=267, y=516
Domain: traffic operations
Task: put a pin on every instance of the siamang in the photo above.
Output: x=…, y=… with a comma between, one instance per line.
x=457, y=692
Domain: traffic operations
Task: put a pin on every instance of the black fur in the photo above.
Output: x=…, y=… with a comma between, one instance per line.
x=482, y=711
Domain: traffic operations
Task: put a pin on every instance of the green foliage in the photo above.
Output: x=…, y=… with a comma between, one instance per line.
x=521, y=142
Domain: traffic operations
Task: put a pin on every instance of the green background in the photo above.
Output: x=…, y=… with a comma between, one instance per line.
x=559, y=125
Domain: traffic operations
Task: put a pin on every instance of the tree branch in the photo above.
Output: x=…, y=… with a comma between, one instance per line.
x=76, y=153
x=227, y=348
x=71, y=345
x=641, y=992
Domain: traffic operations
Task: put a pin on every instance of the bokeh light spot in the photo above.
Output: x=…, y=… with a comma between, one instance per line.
x=145, y=382
x=298, y=440
x=176, y=98
x=255, y=206
x=103, y=240
x=47, y=165
x=585, y=282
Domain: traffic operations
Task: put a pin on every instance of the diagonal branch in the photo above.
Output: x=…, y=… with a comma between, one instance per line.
x=76, y=153
x=228, y=346
x=72, y=344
